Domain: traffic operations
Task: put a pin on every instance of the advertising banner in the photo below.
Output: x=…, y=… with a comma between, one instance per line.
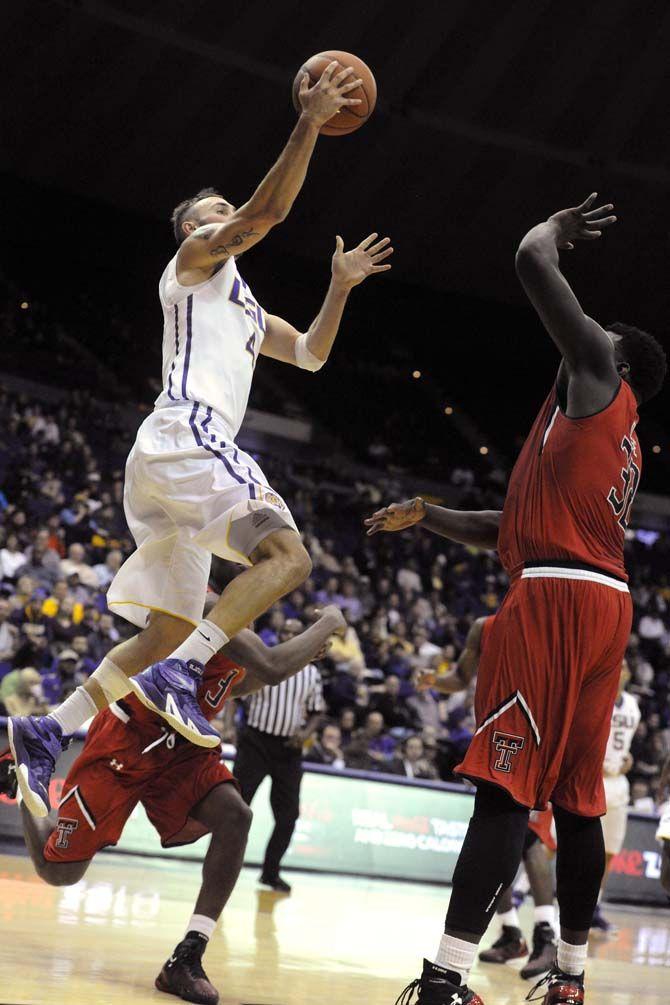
x=372, y=827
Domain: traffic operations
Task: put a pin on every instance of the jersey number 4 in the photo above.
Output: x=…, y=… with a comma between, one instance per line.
x=630, y=477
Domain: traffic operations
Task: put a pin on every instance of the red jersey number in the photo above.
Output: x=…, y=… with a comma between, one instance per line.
x=622, y=502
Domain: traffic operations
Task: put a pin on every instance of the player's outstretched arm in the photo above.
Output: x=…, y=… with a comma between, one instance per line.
x=273, y=664
x=272, y=200
x=463, y=673
x=586, y=348
x=310, y=350
x=478, y=528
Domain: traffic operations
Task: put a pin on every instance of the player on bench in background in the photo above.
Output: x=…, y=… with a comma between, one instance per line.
x=539, y=843
x=130, y=756
x=190, y=492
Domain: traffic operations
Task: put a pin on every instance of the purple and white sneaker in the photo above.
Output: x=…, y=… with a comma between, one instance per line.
x=170, y=688
x=36, y=743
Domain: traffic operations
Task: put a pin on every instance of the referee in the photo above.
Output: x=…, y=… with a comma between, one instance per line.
x=271, y=744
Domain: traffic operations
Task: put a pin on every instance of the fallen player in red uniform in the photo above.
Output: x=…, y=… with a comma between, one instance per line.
x=183, y=788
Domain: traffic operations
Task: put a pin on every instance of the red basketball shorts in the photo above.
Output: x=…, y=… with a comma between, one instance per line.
x=546, y=685
x=122, y=764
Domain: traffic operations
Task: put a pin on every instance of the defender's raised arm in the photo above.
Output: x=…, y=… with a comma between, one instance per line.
x=586, y=348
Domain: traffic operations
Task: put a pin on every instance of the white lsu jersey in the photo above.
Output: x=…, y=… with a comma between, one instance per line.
x=212, y=334
x=625, y=720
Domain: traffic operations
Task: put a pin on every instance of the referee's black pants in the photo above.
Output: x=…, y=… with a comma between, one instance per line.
x=260, y=754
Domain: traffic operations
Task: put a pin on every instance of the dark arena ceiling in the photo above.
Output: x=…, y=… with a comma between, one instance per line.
x=491, y=115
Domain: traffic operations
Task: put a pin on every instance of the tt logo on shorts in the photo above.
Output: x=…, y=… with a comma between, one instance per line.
x=65, y=827
x=507, y=744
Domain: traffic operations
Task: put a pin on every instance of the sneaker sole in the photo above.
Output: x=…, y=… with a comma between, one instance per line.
x=32, y=800
x=199, y=739
x=166, y=989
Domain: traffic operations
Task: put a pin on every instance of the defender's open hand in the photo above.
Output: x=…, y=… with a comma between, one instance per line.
x=397, y=516
x=351, y=267
x=581, y=223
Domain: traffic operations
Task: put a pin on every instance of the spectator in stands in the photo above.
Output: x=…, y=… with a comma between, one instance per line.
x=347, y=725
x=412, y=762
x=11, y=557
x=105, y=638
x=9, y=634
x=71, y=676
x=394, y=709
x=42, y=563
x=350, y=602
x=21, y=693
x=346, y=652
x=75, y=563
x=426, y=707
x=105, y=571
x=328, y=747
x=62, y=599
x=273, y=628
x=85, y=663
x=33, y=648
x=408, y=578
x=370, y=747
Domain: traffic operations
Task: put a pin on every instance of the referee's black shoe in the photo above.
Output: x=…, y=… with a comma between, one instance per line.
x=275, y=883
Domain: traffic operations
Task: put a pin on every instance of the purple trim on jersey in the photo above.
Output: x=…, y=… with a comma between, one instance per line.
x=252, y=491
x=176, y=342
x=208, y=419
x=189, y=333
x=206, y=446
x=237, y=461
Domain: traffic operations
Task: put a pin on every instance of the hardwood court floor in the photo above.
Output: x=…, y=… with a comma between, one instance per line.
x=335, y=940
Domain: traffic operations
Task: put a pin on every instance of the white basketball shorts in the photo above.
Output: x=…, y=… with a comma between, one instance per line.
x=663, y=832
x=190, y=493
x=617, y=793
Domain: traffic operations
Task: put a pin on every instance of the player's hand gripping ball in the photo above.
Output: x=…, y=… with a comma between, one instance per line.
x=337, y=89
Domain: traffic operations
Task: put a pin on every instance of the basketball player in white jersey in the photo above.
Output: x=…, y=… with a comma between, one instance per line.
x=617, y=764
x=190, y=492
x=663, y=831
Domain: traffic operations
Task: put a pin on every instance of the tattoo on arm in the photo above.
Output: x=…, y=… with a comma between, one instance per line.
x=234, y=242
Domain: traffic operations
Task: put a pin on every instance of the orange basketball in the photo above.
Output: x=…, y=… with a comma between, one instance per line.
x=352, y=117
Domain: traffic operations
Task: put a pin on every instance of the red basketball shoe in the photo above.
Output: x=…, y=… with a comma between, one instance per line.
x=563, y=989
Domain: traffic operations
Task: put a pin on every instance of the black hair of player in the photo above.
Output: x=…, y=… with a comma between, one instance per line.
x=180, y=212
x=645, y=356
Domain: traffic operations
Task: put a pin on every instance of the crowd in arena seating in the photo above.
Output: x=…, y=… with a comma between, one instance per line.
x=408, y=598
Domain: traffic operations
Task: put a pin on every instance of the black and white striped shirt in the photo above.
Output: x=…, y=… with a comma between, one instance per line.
x=281, y=709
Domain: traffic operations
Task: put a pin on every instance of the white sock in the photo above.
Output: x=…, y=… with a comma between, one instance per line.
x=571, y=959
x=457, y=955
x=200, y=923
x=545, y=913
x=510, y=918
x=74, y=711
x=201, y=644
